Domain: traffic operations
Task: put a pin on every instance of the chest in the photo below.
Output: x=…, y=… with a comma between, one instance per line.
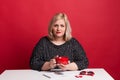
x=53, y=50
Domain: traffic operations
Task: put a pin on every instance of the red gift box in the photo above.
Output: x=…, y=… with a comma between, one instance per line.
x=62, y=60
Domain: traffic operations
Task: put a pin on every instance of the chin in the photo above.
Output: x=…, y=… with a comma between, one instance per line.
x=59, y=36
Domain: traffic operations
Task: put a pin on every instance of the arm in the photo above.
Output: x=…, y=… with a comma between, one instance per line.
x=79, y=61
x=80, y=57
x=38, y=60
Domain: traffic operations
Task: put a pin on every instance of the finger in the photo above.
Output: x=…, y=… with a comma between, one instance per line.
x=69, y=62
x=63, y=68
x=62, y=65
x=52, y=65
x=56, y=56
x=52, y=61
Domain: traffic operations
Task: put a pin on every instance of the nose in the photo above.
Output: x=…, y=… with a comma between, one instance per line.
x=58, y=28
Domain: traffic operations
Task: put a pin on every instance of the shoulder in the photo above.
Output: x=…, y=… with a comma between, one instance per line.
x=74, y=40
x=43, y=40
x=76, y=44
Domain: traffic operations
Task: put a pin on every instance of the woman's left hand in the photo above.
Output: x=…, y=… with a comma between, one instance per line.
x=69, y=66
x=63, y=67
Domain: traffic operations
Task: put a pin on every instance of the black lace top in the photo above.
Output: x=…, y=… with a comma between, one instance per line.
x=45, y=50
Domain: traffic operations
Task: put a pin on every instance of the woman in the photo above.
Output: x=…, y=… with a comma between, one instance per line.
x=59, y=42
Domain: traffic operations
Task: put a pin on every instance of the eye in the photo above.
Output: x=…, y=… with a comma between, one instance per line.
x=55, y=25
x=62, y=25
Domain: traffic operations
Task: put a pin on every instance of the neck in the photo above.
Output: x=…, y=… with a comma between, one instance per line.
x=59, y=39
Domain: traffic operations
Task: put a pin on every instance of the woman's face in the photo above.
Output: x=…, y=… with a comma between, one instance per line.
x=59, y=28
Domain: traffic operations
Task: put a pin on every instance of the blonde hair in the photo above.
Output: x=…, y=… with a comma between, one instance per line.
x=59, y=16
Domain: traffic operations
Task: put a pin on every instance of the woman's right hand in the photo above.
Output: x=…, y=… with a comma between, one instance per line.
x=52, y=63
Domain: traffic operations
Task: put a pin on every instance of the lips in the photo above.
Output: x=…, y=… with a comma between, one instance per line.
x=58, y=32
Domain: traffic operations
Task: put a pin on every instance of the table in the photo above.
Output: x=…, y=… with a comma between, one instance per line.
x=27, y=74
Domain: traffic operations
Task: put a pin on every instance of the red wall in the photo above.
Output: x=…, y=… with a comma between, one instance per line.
x=95, y=23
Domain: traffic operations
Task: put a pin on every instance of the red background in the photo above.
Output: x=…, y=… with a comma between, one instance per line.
x=95, y=23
